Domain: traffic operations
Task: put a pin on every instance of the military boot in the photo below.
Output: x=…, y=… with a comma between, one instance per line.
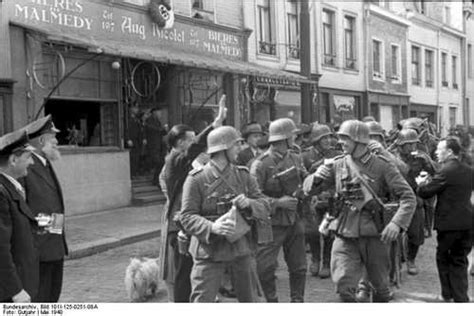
x=297, y=286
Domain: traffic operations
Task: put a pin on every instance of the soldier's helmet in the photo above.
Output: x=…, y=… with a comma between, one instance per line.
x=281, y=129
x=406, y=136
x=375, y=129
x=303, y=129
x=319, y=131
x=222, y=138
x=355, y=130
x=414, y=123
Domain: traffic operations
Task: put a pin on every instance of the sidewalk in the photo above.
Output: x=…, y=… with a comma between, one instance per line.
x=89, y=234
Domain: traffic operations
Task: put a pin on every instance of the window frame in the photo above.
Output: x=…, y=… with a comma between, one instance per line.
x=264, y=47
x=398, y=76
x=429, y=83
x=332, y=55
x=381, y=60
x=416, y=81
x=353, y=47
x=444, y=69
x=454, y=69
x=293, y=51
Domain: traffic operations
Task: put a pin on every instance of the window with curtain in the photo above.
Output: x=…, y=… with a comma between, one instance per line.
x=377, y=58
x=266, y=36
x=349, y=42
x=395, y=61
x=454, y=65
x=415, y=65
x=429, y=68
x=444, y=70
x=329, y=37
x=293, y=30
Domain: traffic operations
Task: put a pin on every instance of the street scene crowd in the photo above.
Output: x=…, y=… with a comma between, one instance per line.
x=359, y=199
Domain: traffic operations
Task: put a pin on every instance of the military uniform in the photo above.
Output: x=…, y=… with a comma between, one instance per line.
x=287, y=225
x=357, y=240
x=203, y=190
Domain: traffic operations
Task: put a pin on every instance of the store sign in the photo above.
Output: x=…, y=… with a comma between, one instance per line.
x=102, y=21
x=344, y=107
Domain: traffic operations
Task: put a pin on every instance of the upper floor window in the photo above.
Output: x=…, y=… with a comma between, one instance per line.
x=447, y=15
x=266, y=43
x=429, y=68
x=469, y=60
x=454, y=65
x=415, y=66
x=293, y=30
x=396, y=62
x=377, y=60
x=329, y=38
x=444, y=70
x=349, y=42
x=421, y=6
x=205, y=5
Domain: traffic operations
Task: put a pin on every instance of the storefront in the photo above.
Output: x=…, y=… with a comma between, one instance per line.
x=89, y=63
x=424, y=111
x=337, y=106
x=388, y=109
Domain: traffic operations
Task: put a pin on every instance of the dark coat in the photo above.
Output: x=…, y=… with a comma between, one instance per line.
x=19, y=266
x=246, y=157
x=453, y=187
x=44, y=195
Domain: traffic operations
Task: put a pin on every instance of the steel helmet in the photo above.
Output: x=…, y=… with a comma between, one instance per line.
x=355, y=130
x=406, y=136
x=414, y=123
x=375, y=129
x=303, y=128
x=319, y=131
x=281, y=129
x=222, y=138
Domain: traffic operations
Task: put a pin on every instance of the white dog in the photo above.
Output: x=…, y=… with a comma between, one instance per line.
x=141, y=278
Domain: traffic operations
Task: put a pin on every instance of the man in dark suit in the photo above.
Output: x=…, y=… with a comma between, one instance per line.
x=453, y=186
x=252, y=133
x=43, y=194
x=18, y=255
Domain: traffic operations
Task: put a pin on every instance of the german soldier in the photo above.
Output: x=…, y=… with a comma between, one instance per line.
x=416, y=161
x=226, y=215
x=279, y=173
x=362, y=180
x=322, y=148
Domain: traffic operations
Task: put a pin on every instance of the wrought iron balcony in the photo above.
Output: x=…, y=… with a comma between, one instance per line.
x=267, y=48
x=293, y=51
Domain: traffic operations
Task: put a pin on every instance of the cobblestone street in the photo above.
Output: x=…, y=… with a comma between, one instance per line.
x=99, y=278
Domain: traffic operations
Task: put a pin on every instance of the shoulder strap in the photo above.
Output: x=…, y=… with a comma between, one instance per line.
x=356, y=170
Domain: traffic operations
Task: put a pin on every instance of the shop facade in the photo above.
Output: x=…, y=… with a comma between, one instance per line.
x=88, y=63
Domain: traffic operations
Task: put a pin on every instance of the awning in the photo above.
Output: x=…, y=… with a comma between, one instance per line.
x=168, y=55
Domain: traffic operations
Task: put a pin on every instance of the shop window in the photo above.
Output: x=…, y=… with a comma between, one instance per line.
x=293, y=30
x=266, y=36
x=325, y=108
x=429, y=68
x=374, y=111
x=454, y=65
x=349, y=42
x=329, y=37
x=404, y=111
x=415, y=66
x=84, y=123
x=444, y=70
x=377, y=59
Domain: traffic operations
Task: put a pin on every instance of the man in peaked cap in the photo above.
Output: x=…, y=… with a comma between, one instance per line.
x=18, y=255
x=252, y=133
x=43, y=194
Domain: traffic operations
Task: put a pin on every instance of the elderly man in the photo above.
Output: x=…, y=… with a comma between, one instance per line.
x=362, y=181
x=452, y=185
x=18, y=255
x=44, y=195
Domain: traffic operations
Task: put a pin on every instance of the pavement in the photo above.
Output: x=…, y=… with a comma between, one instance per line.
x=92, y=233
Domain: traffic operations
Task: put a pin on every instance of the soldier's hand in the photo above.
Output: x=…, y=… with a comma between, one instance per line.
x=288, y=202
x=221, y=116
x=375, y=146
x=390, y=232
x=323, y=172
x=21, y=297
x=223, y=228
x=241, y=201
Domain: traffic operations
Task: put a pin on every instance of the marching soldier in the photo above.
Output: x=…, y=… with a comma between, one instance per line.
x=362, y=181
x=227, y=215
x=416, y=161
x=313, y=157
x=279, y=173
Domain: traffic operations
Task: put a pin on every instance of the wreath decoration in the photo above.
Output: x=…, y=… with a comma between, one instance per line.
x=162, y=13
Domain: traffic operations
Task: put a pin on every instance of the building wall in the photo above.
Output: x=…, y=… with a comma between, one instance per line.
x=470, y=79
x=338, y=77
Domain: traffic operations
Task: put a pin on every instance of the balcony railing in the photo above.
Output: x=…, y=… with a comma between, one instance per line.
x=293, y=51
x=377, y=75
x=267, y=48
x=429, y=83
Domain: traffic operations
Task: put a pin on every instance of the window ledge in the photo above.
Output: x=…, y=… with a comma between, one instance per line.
x=351, y=71
x=71, y=149
x=330, y=68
